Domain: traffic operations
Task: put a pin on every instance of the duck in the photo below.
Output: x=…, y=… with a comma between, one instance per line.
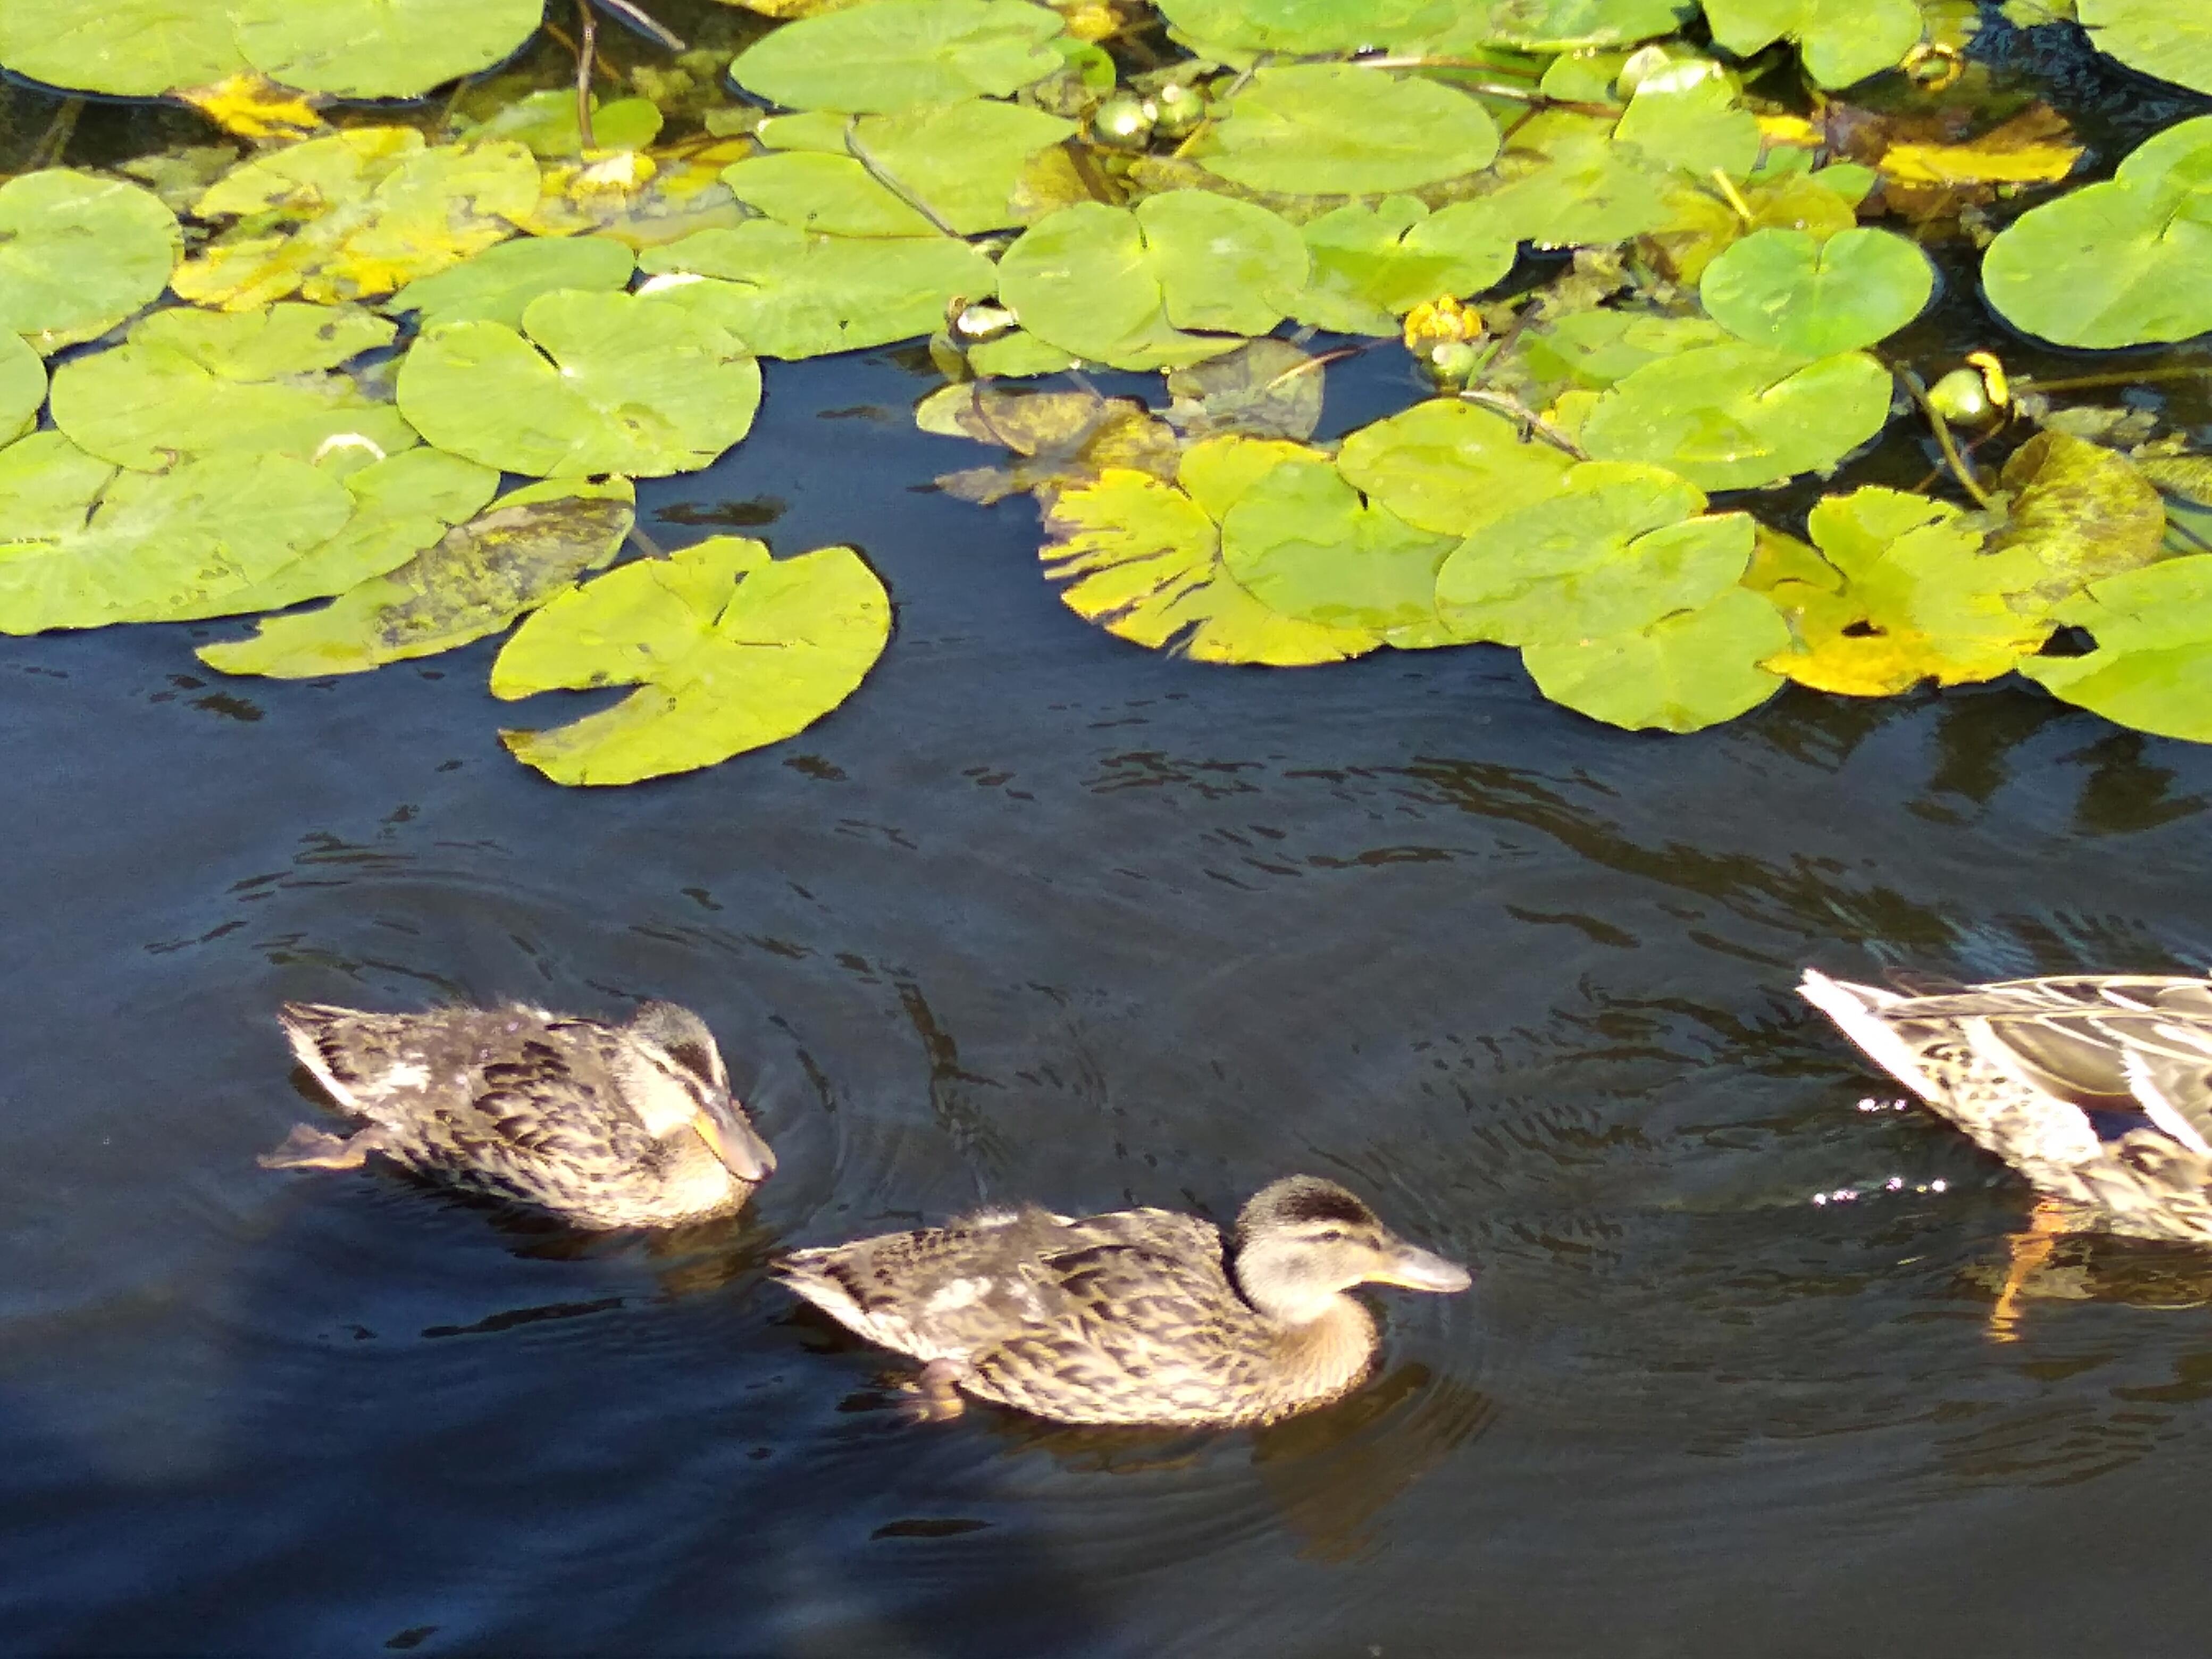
x=603, y=1125
x=2096, y=1087
x=1136, y=1317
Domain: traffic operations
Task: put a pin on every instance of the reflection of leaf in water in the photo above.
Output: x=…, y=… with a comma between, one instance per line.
x=1061, y=438
x=1266, y=388
x=480, y=577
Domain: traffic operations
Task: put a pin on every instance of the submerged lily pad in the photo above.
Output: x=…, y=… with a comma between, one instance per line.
x=1786, y=290
x=603, y=383
x=732, y=649
x=897, y=54
x=1371, y=265
x=188, y=384
x=1687, y=671
x=2151, y=666
x=2116, y=264
x=1336, y=130
x=1736, y=416
x=1120, y=287
x=1143, y=560
x=83, y=543
x=1842, y=41
x=787, y=293
x=79, y=254
x=529, y=545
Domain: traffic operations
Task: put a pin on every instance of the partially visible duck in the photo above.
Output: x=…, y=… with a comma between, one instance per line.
x=607, y=1126
x=1136, y=1316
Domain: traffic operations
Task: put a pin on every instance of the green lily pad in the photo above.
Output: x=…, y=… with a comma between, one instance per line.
x=1567, y=183
x=79, y=254
x=1681, y=673
x=546, y=122
x=189, y=384
x=787, y=293
x=528, y=546
x=22, y=387
x=1447, y=466
x=83, y=544
x=1309, y=26
x=1335, y=130
x=964, y=159
x=2116, y=264
x=732, y=650
x=1736, y=416
x=1785, y=290
x=1142, y=560
x=1299, y=539
x=1843, y=41
x=1120, y=287
x=1596, y=349
x=833, y=194
x=603, y=383
x=1580, y=25
x=1371, y=265
x=497, y=285
x=1689, y=117
x=1617, y=548
x=898, y=54
x=2151, y=667
x=2172, y=42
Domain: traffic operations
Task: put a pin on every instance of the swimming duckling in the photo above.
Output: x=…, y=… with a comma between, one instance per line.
x=607, y=1126
x=1133, y=1316
x=2096, y=1087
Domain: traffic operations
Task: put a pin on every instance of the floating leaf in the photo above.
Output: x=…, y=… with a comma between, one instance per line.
x=79, y=254
x=2085, y=513
x=1308, y=26
x=2151, y=667
x=23, y=388
x=897, y=54
x=1842, y=41
x=1598, y=348
x=964, y=159
x=2115, y=264
x=1566, y=182
x=1299, y=539
x=1336, y=130
x=1447, y=466
x=498, y=284
x=480, y=577
x=1142, y=560
x=1787, y=290
x=1580, y=25
x=1690, y=117
x=1119, y=287
x=1618, y=548
x=353, y=215
x=188, y=384
x=2172, y=42
x=82, y=544
x=733, y=651
x=1371, y=265
x=1701, y=223
x=546, y=122
x=1919, y=600
x=603, y=383
x=1681, y=673
x=833, y=194
x=787, y=293
x=1736, y=416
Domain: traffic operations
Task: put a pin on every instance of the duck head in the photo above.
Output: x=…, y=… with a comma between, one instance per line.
x=1302, y=1241
x=701, y=1099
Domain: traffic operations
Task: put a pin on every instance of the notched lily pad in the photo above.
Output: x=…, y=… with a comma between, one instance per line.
x=1685, y=671
x=2151, y=666
x=732, y=650
x=1371, y=265
x=1337, y=130
x=962, y=161
x=1447, y=466
x=1788, y=291
x=498, y=284
x=899, y=54
x=1842, y=41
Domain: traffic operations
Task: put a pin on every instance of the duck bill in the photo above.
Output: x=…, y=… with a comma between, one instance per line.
x=1418, y=1270
x=732, y=1139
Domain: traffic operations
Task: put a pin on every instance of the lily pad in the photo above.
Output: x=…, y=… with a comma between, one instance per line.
x=1617, y=548
x=1690, y=117
x=2116, y=264
x=1681, y=673
x=83, y=543
x=1120, y=287
x=2085, y=513
x=1786, y=290
x=2151, y=666
x=497, y=285
x=1371, y=265
x=1736, y=416
x=1335, y=130
x=354, y=216
x=79, y=254
x=602, y=383
x=1567, y=183
x=1309, y=26
x=188, y=384
x=1598, y=348
x=733, y=650
x=546, y=122
x=787, y=293
x=899, y=54
x=1447, y=466
x=1843, y=41
x=1300, y=540
x=962, y=160
x=528, y=546
x=1142, y=560
x=1580, y=25
x=2172, y=42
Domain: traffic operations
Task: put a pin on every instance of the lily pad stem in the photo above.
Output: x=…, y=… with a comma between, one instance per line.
x=56, y=136
x=1532, y=423
x=888, y=179
x=2082, y=382
x=586, y=48
x=1734, y=198
x=637, y=20
x=1960, y=469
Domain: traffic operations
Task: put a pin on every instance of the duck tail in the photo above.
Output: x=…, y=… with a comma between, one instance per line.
x=1857, y=1012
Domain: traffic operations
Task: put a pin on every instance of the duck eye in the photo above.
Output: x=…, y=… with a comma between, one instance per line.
x=1329, y=1236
